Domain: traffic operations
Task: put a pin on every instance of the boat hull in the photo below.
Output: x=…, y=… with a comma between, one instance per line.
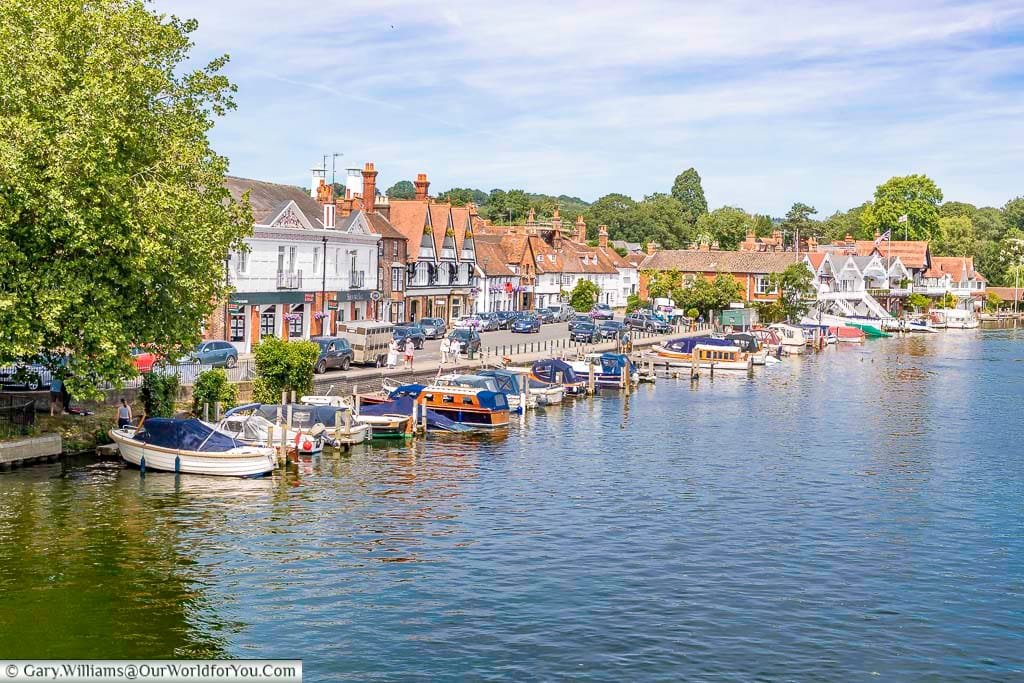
x=238, y=462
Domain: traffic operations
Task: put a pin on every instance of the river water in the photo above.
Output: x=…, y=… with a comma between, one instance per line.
x=848, y=515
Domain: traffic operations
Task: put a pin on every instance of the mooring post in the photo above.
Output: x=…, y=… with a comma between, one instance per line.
x=216, y=411
x=625, y=377
x=284, y=397
x=590, y=378
x=206, y=411
x=337, y=425
x=289, y=416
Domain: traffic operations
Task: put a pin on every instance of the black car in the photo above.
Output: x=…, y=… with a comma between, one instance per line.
x=433, y=328
x=587, y=332
x=414, y=332
x=505, y=319
x=335, y=353
x=579, y=320
x=611, y=329
x=469, y=340
x=644, y=320
x=546, y=315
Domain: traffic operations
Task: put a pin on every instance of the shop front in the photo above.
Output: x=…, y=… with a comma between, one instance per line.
x=254, y=316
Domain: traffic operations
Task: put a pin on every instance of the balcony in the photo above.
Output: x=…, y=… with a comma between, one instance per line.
x=357, y=279
x=289, y=280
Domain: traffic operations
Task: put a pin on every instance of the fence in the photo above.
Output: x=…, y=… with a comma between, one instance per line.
x=17, y=417
x=187, y=372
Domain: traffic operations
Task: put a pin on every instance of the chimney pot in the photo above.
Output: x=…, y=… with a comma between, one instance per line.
x=602, y=235
x=369, y=187
x=422, y=186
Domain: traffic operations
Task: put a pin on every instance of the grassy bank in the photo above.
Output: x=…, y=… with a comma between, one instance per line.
x=79, y=432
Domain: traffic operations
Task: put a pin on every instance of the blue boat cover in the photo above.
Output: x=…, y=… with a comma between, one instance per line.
x=407, y=390
x=686, y=344
x=403, y=406
x=547, y=370
x=613, y=363
x=508, y=382
x=185, y=435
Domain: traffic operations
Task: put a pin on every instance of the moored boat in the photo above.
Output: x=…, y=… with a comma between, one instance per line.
x=557, y=371
x=608, y=369
x=545, y=393
x=792, y=338
x=848, y=335
x=312, y=426
x=716, y=357
x=680, y=351
x=748, y=342
x=189, y=446
x=466, y=405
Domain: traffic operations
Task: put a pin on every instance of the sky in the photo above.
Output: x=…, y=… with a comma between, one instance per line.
x=772, y=103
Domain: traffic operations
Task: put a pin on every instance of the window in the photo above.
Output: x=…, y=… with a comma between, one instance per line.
x=337, y=261
x=396, y=279
x=456, y=309
x=268, y=319
x=762, y=285
x=291, y=259
x=394, y=248
x=237, y=327
x=242, y=262
x=316, y=259
x=280, y=259
x=295, y=323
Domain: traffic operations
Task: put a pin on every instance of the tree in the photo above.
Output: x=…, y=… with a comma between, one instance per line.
x=955, y=237
x=836, y=227
x=283, y=366
x=634, y=302
x=799, y=223
x=159, y=393
x=727, y=226
x=1013, y=213
x=914, y=196
x=763, y=225
x=618, y=212
x=947, y=300
x=584, y=296
x=659, y=217
x=115, y=221
x=709, y=295
x=688, y=192
x=502, y=206
x=460, y=196
x=957, y=210
x=662, y=283
x=993, y=301
x=794, y=285
x=403, y=189
x=988, y=223
x=918, y=302
x=212, y=387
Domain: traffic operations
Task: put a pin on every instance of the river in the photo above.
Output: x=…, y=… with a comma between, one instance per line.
x=842, y=516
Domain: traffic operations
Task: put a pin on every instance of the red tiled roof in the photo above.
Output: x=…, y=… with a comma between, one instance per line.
x=913, y=254
x=439, y=215
x=408, y=216
x=816, y=258
x=491, y=259
x=954, y=266
x=460, y=221
x=1007, y=293
x=381, y=226
x=698, y=261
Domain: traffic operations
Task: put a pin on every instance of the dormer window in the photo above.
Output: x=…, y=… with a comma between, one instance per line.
x=551, y=257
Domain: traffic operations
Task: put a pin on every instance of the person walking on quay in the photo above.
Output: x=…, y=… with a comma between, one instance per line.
x=56, y=395
x=446, y=347
x=392, y=355
x=410, y=352
x=124, y=414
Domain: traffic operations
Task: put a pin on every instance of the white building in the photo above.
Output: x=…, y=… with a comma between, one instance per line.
x=300, y=274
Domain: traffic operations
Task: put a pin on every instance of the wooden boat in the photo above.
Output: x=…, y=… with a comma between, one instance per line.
x=507, y=384
x=792, y=338
x=466, y=405
x=680, y=351
x=746, y=341
x=721, y=357
x=848, y=335
x=393, y=413
x=190, y=447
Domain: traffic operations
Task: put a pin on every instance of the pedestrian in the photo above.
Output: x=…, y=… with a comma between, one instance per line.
x=65, y=397
x=124, y=414
x=56, y=394
x=410, y=352
x=446, y=347
x=392, y=355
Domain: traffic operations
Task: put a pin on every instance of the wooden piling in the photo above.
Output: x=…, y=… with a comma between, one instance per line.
x=216, y=411
x=206, y=412
x=337, y=426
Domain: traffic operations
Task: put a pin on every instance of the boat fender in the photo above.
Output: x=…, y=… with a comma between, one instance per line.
x=142, y=465
x=307, y=445
x=177, y=464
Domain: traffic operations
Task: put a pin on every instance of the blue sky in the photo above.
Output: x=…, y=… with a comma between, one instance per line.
x=816, y=102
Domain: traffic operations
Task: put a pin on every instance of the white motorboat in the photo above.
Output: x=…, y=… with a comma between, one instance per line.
x=715, y=357
x=792, y=338
x=312, y=428
x=190, y=447
x=545, y=393
x=959, y=319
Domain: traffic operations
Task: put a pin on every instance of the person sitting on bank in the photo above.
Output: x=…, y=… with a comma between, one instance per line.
x=124, y=414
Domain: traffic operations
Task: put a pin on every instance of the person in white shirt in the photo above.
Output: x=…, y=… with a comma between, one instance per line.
x=446, y=347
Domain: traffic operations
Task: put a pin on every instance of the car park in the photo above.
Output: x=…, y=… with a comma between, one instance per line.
x=646, y=321
x=586, y=332
x=611, y=329
x=489, y=322
x=335, y=354
x=602, y=312
x=579, y=319
x=546, y=316
x=144, y=359
x=469, y=340
x=562, y=313
x=505, y=319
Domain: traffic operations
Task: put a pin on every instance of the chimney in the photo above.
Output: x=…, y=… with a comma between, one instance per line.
x=556, y=239
x=651, y=248
x=369, y=187
x=532, y=218
x=602, y=236
x=812, y=243
x=319, y=176
x=353, y=182
x=422, y=186
x=324, y=193
x=849, y=240
x=343, y=207
x=556, y=219
x=581, y=230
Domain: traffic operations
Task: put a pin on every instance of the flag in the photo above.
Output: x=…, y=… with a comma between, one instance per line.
x=902, y=219
x=884, y=237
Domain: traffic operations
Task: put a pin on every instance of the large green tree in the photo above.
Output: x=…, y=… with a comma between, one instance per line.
x=727, y=226
x=836, y=227
x=659, y=217
x=799, y=224
x=403, y=189
x=114, y=218
x=955, y=237
x=988, y=223
x=460, y=196
x=618, y=212
x=915, y=196
x=584, y=296
x=795, y=286
x=688, y=191
x=1013, y=213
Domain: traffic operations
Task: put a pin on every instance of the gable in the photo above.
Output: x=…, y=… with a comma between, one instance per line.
x=290, y=217
x=359, y=225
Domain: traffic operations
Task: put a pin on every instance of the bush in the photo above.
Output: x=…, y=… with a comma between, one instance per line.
x=634, y=302
x=771, y=312
x=159, y=392
x=213, y=386
x=693, y=314
x=283, y=366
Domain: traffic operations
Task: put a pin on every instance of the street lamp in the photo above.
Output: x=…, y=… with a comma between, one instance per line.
x=227, y=285
x=323, y=288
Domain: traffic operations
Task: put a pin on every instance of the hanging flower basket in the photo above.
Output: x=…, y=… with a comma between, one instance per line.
x=320, y=316
x=293, y=316
x=474, y=290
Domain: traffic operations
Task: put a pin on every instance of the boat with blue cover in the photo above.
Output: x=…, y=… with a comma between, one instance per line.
x=466, y=405
x=680, y=351
x=558, y=371
x=513, y=386
x=190, y=446
x=608, y=369
x=400, y=401
x=312, y=426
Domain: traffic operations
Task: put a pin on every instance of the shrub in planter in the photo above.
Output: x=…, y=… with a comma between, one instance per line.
x=213, y=386
x=283, y=366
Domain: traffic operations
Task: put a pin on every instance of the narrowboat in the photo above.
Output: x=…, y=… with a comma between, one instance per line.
x=747, y=342
x=466, y=405
x=556, y=371
x=190, y=446
x=717, y=357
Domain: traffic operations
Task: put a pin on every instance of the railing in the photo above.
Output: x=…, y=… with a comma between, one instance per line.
x=243, y=371
x=356, y=279
x=17, y=418
x=289, y=280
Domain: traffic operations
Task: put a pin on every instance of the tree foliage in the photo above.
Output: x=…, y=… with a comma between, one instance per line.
x=795, y=285
x=709, y=295
x=460, y=196
x=283, y=366
x=918, y=301
x=403, y=189
x=727, y=226
x=798, y=222
x=1013, y=213
x=661, y=284
x=955, y=237
x=914, y=196
x=159, y=393
x=688, y=191
x=114, y=218
x=584, y=296
x=212, y=387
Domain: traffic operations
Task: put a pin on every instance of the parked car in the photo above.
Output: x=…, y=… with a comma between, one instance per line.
x=489, y=322
x=30, y=376
x=469, y=340
x=505, y=319
x=648, y=322
x=602, y=312
x=213, y=353
x=586, y=332
x=335, y=353
x=579, y=319
x=433, y=328
x=144, y=359
x=526, y=323
x=473, y=322
x=562, y=312
x=414, y=332
x=611, y=329
x=546, y=315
